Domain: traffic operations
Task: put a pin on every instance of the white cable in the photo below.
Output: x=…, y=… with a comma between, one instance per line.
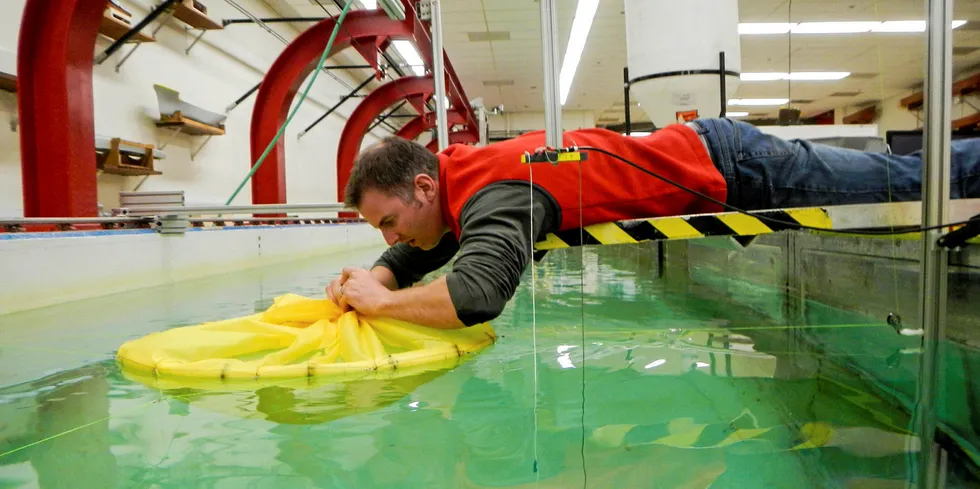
x=534, y=319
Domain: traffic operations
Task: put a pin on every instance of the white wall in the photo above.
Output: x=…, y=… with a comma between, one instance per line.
x=220, y=68
x=526, y=121
x=73, y=266
x=893, y=117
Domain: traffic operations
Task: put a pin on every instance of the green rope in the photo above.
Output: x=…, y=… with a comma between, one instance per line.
x=309, y=85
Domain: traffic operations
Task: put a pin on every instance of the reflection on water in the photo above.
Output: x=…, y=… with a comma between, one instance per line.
x=666, y=385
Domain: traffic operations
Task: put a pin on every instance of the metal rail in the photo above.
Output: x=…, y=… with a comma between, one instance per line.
x=552, y=88
x=439, y=75
x=935, y=259
x=176, y=210
x=23, y=221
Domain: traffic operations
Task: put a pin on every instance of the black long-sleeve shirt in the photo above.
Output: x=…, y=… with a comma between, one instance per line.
x=493, y=249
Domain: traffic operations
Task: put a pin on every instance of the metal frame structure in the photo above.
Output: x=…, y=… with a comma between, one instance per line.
x=361, y=29
x=552, y=69
x=56, y=108
x=935, y=211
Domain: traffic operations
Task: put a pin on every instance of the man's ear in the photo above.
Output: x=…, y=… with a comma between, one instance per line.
x=426, y=186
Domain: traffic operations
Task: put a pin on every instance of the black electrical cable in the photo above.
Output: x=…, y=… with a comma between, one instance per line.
x=765, y=218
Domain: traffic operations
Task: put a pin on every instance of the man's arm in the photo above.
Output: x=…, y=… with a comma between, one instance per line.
x=495, y=248
x=399, y=266
x=407, y=264
x=384, y=275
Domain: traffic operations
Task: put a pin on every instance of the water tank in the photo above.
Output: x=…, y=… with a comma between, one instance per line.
x=673, y=48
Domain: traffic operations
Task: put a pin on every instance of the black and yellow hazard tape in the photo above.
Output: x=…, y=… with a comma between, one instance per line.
x=688, y=227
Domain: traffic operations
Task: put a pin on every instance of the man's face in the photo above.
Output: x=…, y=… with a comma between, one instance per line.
x=417, y=222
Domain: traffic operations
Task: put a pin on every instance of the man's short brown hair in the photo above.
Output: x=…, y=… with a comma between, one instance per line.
x=390, y=166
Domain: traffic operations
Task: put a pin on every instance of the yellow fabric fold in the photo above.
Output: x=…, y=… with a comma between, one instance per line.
x=298, y=339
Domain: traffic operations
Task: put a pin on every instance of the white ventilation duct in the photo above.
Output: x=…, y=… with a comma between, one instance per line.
x=673, y=48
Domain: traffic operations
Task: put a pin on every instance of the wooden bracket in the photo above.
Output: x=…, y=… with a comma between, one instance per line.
x=126, y=158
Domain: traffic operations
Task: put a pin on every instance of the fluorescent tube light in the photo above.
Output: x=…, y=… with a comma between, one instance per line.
x=410, y=55
x=819, y=75
x=901, y=26
x=764, y=28
x=758, y=101
x=655, y=363
x=797, y=76
x=736, y=114
x=581, y=26
x=834, y=27
x=837, y=27
x=393, y=8
x=763, y=76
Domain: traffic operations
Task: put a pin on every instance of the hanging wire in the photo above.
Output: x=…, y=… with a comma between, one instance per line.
x=534, y=322
x=282, y=129
x=788, y=224
x=581, y=239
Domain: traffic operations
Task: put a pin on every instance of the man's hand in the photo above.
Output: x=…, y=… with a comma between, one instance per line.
x=333, y=292
x=359, y=289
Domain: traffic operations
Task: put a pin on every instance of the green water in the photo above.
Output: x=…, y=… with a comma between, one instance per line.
x=641, y=383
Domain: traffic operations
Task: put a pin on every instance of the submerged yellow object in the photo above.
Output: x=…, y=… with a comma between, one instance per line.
x=297, y=340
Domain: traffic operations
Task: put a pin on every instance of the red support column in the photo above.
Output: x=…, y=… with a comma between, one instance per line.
x=54, y=69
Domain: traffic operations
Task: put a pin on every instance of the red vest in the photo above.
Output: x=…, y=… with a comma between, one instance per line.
x=612, y=190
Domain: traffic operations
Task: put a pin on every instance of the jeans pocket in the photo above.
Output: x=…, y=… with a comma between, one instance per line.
x=751, y=143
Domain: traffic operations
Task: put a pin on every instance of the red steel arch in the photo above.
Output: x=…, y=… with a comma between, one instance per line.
x=56, y=108
x=372, y=28
x=416, y=87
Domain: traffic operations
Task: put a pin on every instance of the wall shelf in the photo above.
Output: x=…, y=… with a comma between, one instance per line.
x=968, y=122
x=194, y=14
x=960, y=88
x=864, y=116
x=8, y=82
x=113, y=28
x=120, y=157
x=189, y=126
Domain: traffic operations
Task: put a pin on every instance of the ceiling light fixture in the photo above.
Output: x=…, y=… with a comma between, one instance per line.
x=797, y=76
x=581, y=26
x=393, y=8
x=758, y=101
x=736, y=114
x=410, y=55
x=763, y=28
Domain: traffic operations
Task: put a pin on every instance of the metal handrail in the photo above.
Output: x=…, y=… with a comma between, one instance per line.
x=177, y=210
x=17, y=221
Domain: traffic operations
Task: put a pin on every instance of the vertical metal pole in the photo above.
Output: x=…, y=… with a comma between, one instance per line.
x=439, y=75
x=724, y=81
x=626, y=98
x=935, y=210
x=481, y=113
x=552, y=90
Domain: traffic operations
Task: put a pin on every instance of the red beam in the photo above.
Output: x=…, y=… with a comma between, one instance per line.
x=370, y=108
x=287, y=73
x=416, y=126
x=454, y=138
x=284, y=78
x=55, y=53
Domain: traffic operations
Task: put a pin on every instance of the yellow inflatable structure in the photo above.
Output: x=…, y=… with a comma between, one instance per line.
x=296, y=341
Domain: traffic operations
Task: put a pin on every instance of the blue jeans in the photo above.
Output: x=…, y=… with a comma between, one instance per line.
x=766, y=172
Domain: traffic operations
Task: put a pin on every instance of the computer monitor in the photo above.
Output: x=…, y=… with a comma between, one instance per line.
x=908, y=142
